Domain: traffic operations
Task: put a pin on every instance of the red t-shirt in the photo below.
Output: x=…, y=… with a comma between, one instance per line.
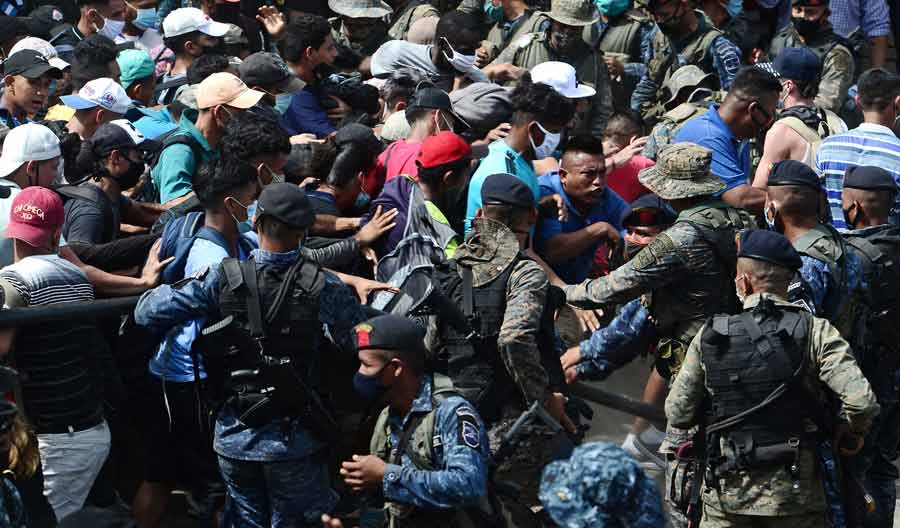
x=624, y=180
x=398, y=158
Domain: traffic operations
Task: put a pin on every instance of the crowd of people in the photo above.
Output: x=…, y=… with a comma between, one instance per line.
x=366, y=253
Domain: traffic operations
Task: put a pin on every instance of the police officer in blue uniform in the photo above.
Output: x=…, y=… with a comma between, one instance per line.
x=429, y=450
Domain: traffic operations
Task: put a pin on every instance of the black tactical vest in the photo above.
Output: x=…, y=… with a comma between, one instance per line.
x=473, y=360
x=747, y=357
x=289, y=325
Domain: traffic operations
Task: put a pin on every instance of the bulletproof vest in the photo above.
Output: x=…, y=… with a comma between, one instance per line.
x=473, y=360
x=413, y=11
x=879, y=257
x=746, y=358
x=623, y=36
x=288, y=325
x=420, y=447
x=665, y=59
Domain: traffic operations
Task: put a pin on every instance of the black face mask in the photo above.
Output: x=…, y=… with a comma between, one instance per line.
x=807, y=28
x=218, y=49
x=673, y=23
x=132, y=175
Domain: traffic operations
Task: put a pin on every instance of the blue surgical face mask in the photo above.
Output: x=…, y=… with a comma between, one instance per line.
x=734, y=7
x=611, y=8
x=362, y=200
x=245, y=226
x=147, y=19
x=283, y=102
x=369, y=387
x=493, y=12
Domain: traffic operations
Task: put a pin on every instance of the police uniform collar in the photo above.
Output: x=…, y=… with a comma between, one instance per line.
x=423, y=402
x=490, y=248
x=270, y=257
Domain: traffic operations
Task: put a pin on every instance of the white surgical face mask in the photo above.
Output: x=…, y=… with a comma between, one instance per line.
x=111, y=28
x=546, y=148
x=461, y=63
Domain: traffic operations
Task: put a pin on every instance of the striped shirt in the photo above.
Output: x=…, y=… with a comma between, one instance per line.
x=868, y=144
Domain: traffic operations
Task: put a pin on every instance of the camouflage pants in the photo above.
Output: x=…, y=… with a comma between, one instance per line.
x=876, y=462
x=713, y=518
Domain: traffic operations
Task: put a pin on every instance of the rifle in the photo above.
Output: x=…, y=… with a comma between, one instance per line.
x=535, y=412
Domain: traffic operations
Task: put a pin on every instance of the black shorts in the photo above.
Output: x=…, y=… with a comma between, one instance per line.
x=180, y=449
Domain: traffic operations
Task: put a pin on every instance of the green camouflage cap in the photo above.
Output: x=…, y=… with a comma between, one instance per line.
x=490, y=248
x=688, y=76
x=573, y=12
x=360, y=8
x=682, y=171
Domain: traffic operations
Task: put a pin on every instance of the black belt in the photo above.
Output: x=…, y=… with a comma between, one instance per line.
x=73, y=427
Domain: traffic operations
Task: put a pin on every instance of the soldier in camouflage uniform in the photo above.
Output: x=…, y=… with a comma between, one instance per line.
x=810, y=18
x=518, y=19
x=761, y=470
x=600, y=485
x=405, y=13
x=625, y=38
x=503, y=377
x=690, y=93
x=359, y=27
x=563, y=40
x=685, y=37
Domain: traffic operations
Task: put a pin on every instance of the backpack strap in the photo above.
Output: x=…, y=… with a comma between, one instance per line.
x=468, y=294
x=254, y=306
x=798, y=126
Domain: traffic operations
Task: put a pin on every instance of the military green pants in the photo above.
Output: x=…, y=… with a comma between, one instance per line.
x=713, y=518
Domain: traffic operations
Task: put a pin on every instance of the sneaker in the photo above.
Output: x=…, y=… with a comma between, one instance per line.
x=646, y=454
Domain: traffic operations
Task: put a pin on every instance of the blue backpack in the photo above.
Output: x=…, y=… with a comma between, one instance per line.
x=177, y=239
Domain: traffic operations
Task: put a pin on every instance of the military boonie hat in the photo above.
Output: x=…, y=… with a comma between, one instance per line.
x=573, y=12
x=688, y=76
x=682, y=171
x=360, y=8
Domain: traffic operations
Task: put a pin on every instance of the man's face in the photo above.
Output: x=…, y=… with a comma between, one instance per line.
x=641, y=235
x=268, y=166
x=359, y=29
x=465, y=43
x=42, y=173
x=203, y=44
x=762, y=112
x=667, y=14
x=114, y=11
x=326, y=53
x=28, y=94
x=565, y=40
x=811, y=14
x=583, y=176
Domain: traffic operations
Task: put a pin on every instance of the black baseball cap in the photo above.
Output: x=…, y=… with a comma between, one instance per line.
x=506, y=189
x=429, y=96
x=30, y=64
x=793, y=172
x=43, y=19
x=269, y=71
x=287, y=203
x=870, y=179
x=389, y=332
x=769, y=246
x=119, y=134
x=798, y=64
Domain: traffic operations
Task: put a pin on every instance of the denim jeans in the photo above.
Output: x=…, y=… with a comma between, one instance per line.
x=283, y=494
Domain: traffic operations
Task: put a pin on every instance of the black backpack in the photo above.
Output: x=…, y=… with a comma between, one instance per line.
x=174, y=137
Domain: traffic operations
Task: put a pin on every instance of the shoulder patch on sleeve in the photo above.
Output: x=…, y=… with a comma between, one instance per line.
x=660, y=246
x=469, y=433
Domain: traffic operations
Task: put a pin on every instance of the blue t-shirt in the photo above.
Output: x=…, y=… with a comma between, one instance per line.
x=730, y=156
x=500, y=158
x=306, y=115
x=611, y=208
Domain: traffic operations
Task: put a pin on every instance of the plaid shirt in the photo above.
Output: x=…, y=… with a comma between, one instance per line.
x=871, y=15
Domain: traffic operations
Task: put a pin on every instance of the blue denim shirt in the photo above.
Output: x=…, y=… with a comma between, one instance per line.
x=174, y=311
x=461, y=459
x=621, y=334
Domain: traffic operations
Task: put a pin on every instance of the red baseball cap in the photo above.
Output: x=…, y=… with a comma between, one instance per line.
x=36, y=213
x=441, y=148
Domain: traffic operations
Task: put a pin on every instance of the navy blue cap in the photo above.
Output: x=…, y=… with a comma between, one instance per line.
x=389, y=332
x=288, y=204
x=793, y=172
x=798, y=64
x=869, y=178
x=761, y=244
x=506, y=189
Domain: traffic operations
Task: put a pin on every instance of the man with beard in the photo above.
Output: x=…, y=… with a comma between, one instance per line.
x=747, y=112
x=810, y=18
x=685, y=37
x=114, y=159
x=359, y=28
x=563, y=40
x=189, y=34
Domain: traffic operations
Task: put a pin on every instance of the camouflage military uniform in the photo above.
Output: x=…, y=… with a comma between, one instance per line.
x=600, y=485
x=534, y=48
x=403, y=18
x=504, y=32
x=366, y=48
x=628, y=38
x=742, y=498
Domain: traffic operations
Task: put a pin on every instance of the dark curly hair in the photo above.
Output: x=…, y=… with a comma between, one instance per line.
x=357, y=149
x=540, y=102
x=206, y=65
x=91, y=58
x=250, y=134
x=306, y=31
x=176, y=43
x=215, y=180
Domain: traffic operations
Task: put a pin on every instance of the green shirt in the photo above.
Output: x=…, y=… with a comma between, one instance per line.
x=173, y=175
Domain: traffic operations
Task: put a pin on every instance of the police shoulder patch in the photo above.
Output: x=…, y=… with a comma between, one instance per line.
x=656, y=249
x=469, y=433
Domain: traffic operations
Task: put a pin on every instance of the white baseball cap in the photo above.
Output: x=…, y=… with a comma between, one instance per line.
x=44, y=48
x=103, y=92
x=28, y=142
x=189, y=19
x=561, y=77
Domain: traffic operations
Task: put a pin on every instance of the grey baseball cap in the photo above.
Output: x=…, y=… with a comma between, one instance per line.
x=268, y=70
x=483, y=105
